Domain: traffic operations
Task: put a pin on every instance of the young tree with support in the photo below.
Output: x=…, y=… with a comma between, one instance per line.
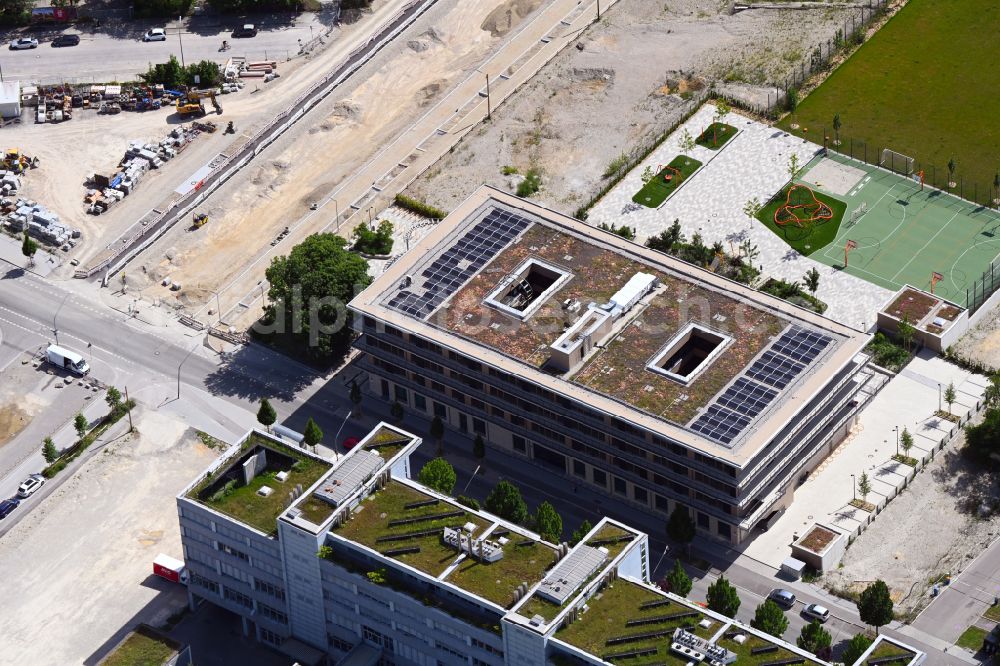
x=864, y=486
x=312, y=435
x=722, y=109
x=266, y=416
x=678, y=581
x=951, y=173
x=836, y=129
x=950, y=396
x=751, y=208
x=687, y=143
x=906, y=442
x=28, y=248
x=811, y=280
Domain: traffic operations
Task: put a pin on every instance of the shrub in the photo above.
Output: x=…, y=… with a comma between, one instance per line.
x=419, y=207
x=161, y=8
x=530, y=185
x=508, y=170
x=624, y=231
x=378, y=241
x=887, y=353
x=470, y=502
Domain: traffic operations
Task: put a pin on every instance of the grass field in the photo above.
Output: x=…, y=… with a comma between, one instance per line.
x=716, y=135
x=918, y=87
x=907, y=234
x=810, y=238
x=658, y=188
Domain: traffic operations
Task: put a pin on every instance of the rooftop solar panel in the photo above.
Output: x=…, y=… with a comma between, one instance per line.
x=747, y=397
x=458, y=263
x=775, y=369
x=720, y=424
x=801, y=344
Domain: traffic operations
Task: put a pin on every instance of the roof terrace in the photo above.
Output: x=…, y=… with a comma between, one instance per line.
x=254, y=484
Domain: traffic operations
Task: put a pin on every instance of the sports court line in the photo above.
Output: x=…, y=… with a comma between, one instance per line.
x=929, y=241
x=846, y=230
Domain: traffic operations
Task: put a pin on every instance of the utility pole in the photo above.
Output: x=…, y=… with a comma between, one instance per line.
x=55, y=328
x=179, y=40
x=128, y=410
x=489, y=105
x=179, y=366
x=598, y=10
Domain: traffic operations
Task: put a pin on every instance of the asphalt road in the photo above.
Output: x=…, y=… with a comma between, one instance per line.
x=118, y=53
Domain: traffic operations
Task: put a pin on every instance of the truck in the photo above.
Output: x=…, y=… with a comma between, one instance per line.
x=170, y=568
x=67, y=360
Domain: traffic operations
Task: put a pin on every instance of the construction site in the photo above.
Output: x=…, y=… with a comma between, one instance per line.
x=394, y=100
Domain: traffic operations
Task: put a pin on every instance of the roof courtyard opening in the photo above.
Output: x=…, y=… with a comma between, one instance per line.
x=688, y=353
x=520, y=292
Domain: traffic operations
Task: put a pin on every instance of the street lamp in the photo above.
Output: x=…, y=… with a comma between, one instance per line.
x=218, y=308
x=939, y=396
x=179, y=366
x=336, y=438
x=854, y=487
x=897, y=439
x=179, y=40
x=55, y=329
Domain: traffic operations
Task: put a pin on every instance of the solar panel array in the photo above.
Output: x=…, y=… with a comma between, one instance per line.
x=746, y=398
x=461, y=261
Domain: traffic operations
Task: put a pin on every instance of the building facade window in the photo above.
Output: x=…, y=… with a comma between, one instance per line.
x=520, y=445
x=229, y=550
x=420, y=402
x=401, y=395
x=272, y=613
x=703, y=521
x=269, y=636
x=579, y=469
x=268, y=588
x=600, y=478
x=440, y=411
x=236, y=597
x=376, y=638
x=621, y=488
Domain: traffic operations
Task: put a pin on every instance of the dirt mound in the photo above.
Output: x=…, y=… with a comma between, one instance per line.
x=346, y=110
x=505, y=17
x=427, y=94
x=592, y=74
x=417, y=45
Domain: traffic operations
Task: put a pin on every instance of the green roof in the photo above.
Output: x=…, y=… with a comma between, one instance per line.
x=225, y=492
x=524, y=561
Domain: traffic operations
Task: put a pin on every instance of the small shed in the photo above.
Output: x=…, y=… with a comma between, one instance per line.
x=10, y=99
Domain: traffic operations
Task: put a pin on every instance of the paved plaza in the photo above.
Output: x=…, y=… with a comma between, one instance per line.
x=754, y=163
x=910, y=399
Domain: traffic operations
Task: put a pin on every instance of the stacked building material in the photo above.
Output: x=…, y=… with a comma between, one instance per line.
x=41, y=223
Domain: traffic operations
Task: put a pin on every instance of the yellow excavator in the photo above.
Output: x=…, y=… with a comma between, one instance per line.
x=199, y=220
x=190, y=103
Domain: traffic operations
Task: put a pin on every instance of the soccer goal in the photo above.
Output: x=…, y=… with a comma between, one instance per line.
x=857, y=213
x=896, y=162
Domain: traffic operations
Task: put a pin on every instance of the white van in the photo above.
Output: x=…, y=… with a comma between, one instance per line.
x=67, y=360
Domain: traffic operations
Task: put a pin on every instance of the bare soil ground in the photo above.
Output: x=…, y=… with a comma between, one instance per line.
x=27, y=392
x=78, y=568
x=982, y=343
x=960, y=503
x=621, y=85
x=395, y=89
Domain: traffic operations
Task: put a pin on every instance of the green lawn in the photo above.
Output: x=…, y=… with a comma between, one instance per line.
x=918, y=87
x=971, y=639
x=716, y=135
x=602, y=537
x=142, y=648
x=658, y=188
x=812, y=236
x=993, y=613
x=743, y=652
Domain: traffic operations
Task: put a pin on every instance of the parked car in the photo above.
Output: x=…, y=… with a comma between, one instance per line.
x=155, y=35
x=816, y=612
x=783, y=598
x=7, y=506
x=30, y=485
x=24, y=43
x=245, y=30
x=66, y=40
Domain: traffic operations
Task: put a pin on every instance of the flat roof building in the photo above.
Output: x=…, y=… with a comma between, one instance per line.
x=385, y=570
x=658, y=382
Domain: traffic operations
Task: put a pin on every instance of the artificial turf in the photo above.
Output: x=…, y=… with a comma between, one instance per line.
x=659, y=188
x=812, y=236
x=716, y=135
x=917, y=87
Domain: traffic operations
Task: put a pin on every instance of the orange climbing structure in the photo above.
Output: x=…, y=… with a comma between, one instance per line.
x=802, y=208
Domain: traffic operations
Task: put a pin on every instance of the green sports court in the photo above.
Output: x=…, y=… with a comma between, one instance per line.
x=906, y=234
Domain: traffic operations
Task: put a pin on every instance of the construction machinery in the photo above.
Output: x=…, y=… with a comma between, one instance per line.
x=199, y=220
x=190, y=103
x=16, y=161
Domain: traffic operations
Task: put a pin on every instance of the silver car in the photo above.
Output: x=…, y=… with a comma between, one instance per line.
x=816, y=612
x=30, y=485
x=155, y=35
x=24, y=43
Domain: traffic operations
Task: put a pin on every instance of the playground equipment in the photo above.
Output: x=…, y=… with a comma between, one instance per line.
x=669, y=173
x=802, y=209
x=848, y=246
x=935, y=278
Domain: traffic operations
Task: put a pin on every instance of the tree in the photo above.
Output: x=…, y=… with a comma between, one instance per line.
x=864, y=486
x=770, y=619
x=722, y=109
x=647, y=174
x=687, y=142
x=951, y=172
x=793, y=166
x=374, y=241
x=811, y=280
x=906, y=442
x=906, y=331
x=991, y=396
x=680, y=527
x=309, y=292
x=28, y=248
x=437, y=432
x=792, y=104
x=950, y=395
x=855, y=648
x=312, y=435
x=479, y=448
x=81, y=424
x=356, y=396
x=548, y=522
x=836, y=129
x=266, y=416
x=722, y=597
x=678, y=581
x=505, y=501
x=751, y=208
x=875, y=605
x=814, y=638
x=439, y=475
x=49, y=450
x=396, y=410
x=580, y=532
x=113, y=397
x=982, y=442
